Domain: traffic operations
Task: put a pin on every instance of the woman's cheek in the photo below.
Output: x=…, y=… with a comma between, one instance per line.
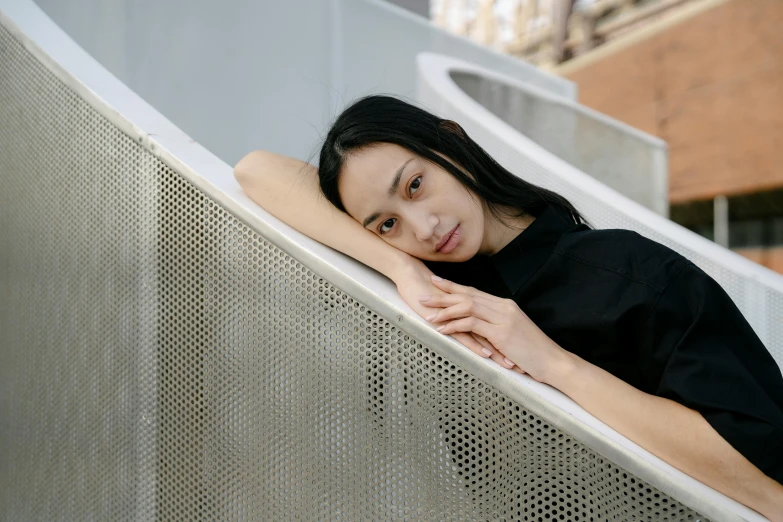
x=405, y=246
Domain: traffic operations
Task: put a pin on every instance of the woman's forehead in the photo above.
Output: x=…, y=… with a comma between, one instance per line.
x=369, y=174
x=376, y=160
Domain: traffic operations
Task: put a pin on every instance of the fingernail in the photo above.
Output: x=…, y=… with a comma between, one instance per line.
x=424, y=298
x=486, y=351
x=440, y=328
x=509, y=361
x=436, y=278
x=433, y=316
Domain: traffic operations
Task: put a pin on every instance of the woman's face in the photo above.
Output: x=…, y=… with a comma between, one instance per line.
x=412, y=204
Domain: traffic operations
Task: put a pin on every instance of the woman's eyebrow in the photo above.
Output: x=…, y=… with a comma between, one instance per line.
x=392, y=189
x=370, y=219
x=398, y=175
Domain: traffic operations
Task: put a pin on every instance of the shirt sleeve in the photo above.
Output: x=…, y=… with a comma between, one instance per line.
x=715, y=364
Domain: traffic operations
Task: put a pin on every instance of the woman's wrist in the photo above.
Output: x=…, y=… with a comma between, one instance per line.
x=563, y=370
x=400, y=267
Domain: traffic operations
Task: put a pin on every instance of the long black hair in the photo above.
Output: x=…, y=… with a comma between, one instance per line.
x=385, y=119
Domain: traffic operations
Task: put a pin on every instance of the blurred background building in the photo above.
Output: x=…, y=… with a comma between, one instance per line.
x=706, y=76
x=421, y=7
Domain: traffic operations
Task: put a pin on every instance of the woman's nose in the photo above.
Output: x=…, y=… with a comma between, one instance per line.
x=424, y=227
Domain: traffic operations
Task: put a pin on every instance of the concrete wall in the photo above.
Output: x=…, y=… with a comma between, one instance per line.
x=420, y=7
x=615, y=154
x=238, y=75
x=234, y=75
x=711, y=86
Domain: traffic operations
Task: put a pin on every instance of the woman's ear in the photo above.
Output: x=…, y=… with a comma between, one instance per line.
x=452, y=127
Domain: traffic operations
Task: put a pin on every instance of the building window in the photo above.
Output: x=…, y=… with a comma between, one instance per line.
x=755, y=220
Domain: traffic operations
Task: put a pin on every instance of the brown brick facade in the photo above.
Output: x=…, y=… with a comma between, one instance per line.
x=712, y=87
x=770, y=257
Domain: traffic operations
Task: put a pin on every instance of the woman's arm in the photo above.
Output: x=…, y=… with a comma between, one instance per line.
x=669, y=430
x=288, y=189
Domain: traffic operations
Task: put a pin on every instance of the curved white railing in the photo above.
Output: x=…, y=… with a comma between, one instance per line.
x=756, y=290
x=618, y=155
x=211, y=362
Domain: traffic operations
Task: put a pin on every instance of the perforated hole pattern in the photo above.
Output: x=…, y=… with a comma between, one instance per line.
x=761, y=304
x=161, y=360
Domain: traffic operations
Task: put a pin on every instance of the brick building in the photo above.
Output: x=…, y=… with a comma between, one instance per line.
x=709, y=81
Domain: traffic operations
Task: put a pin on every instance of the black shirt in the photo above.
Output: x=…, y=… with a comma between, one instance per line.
x=647, y=315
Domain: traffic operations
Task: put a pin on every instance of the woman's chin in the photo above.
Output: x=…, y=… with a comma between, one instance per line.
x=457, y=258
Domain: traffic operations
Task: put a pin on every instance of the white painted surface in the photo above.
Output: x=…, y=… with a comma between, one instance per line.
x=616, y=154
x=239, y=75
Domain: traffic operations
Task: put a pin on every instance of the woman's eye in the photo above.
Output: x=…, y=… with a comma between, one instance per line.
x=386, y=225
x=415, y=184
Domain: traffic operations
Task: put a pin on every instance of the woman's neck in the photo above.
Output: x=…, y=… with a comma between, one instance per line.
x=499, y=233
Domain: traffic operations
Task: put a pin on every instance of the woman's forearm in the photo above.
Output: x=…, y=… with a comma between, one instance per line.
x=678, y=435
x=288, y=189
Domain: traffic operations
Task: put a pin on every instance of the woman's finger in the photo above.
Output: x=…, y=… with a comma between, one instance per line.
x=445, y=300
x=479, y=308
x=476, y=347
x=467, y=325
x=483, y=342
x=477, y=326
x=482, y=350
x=454, y=288
x=496, y=355
x=441, y=300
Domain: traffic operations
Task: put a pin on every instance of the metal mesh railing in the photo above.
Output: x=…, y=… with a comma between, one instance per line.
x=81, y=338
x=161, y=359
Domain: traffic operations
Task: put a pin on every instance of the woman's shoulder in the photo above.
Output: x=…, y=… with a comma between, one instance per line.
x=625, y=252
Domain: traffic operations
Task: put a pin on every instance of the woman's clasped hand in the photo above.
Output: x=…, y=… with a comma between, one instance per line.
x=494, y=324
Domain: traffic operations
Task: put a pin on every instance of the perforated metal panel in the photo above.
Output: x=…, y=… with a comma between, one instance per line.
x=760, y=302
x=80, y=304
x=159, y=359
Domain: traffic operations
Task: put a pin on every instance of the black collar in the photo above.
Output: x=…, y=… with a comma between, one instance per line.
x=519, y=260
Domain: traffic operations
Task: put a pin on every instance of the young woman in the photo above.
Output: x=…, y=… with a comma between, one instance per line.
x=630, y=330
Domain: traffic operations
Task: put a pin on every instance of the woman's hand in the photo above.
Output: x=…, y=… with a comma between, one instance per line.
x=413, y=280
x=500, y=322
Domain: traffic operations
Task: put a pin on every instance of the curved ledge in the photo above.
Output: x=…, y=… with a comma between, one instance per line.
x=629, y=161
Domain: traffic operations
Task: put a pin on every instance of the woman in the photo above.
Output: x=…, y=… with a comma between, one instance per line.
x=630, y=330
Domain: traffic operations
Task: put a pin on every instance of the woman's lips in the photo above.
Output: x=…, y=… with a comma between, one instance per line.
x=452, y=240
